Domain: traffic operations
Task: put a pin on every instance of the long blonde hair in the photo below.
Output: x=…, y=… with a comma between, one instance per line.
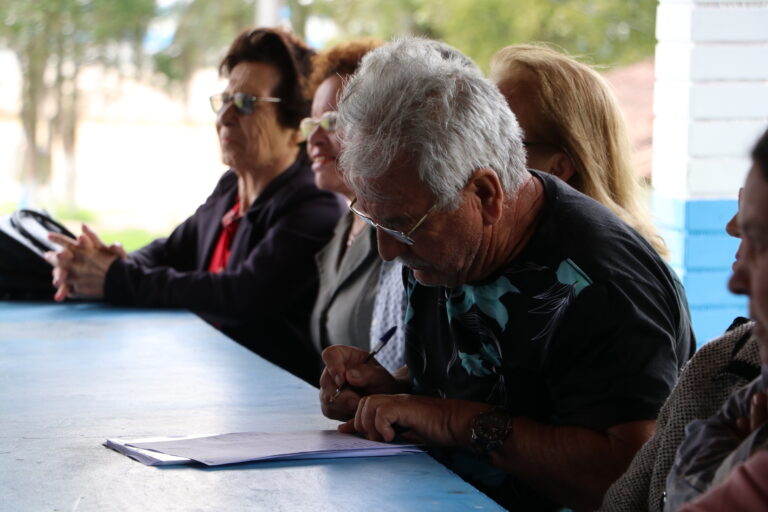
x=581, y=115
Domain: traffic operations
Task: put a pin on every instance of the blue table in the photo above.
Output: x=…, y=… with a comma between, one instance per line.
x=72, y=375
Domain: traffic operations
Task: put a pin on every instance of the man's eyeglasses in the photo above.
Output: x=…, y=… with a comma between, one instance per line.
x=244, y=103
x=397, y=235
x=327, y=122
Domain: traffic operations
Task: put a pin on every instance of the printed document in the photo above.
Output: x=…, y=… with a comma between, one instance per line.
x=254, y=446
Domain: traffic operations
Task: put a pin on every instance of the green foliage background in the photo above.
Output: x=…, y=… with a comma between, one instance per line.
x=54, y=39
x=606, y=32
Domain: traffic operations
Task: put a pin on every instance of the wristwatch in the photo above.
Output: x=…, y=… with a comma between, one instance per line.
x=490, y=429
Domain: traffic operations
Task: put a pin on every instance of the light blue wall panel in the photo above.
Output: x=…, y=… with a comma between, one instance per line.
x=708, y=251
x=709, y=215
x=709, y=323
x=702, y=254
x=668, y=212
x=709, y=288
x=692, y=214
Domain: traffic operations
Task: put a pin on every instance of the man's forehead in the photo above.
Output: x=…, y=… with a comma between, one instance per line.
x=396, y=185
x=391, y=202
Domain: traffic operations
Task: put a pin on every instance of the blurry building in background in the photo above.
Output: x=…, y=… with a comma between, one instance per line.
x=633, y=85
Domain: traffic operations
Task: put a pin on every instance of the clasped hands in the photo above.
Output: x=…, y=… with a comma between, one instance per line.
x=80, y=267
x=373, y=401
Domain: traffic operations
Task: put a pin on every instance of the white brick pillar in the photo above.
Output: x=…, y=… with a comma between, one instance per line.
x=710, y=105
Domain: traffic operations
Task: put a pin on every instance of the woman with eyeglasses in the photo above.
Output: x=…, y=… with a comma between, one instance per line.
x=360, y=297
x=244, y=260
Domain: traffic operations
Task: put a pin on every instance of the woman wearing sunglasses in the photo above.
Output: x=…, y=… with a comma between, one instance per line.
x=360, y=297
x=245, y=259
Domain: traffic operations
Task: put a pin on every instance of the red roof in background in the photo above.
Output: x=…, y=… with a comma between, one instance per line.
x=634, y=88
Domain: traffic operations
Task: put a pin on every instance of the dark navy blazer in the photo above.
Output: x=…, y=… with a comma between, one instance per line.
x=264, y=297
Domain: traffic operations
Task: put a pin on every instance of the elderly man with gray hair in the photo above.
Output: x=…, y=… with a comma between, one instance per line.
x=542, y=333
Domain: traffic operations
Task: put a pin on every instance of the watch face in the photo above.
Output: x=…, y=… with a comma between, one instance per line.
x=492, y=425
x=489, y=429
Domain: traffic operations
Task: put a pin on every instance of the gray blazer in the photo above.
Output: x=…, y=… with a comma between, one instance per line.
x=347, y=289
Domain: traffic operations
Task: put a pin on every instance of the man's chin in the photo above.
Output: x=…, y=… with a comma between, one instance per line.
x=428, y=277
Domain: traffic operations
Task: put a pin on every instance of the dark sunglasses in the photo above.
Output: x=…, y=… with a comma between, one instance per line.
x=244, y=103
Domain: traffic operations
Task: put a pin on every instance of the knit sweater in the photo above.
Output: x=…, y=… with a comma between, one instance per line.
x=720, y=367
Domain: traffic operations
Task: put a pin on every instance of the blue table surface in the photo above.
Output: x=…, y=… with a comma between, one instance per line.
x=72, y=375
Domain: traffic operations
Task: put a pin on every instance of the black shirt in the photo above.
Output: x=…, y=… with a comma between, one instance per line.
x=584, y=328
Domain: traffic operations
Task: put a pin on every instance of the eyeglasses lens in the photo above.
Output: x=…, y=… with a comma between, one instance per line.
x=242, y=102
x=216, y=103
x=327, y=122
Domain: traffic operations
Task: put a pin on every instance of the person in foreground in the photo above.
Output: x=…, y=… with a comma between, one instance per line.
x=359, y=296
x=245, y=259
x=721, y=449
x=541, y=331
x=719, y=367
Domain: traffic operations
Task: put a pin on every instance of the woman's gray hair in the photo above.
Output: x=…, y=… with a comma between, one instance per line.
x=423, y=103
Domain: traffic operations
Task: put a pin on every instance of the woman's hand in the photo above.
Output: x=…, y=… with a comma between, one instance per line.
x=80, y=268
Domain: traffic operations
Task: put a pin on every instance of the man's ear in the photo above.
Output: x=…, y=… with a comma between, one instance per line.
x=561, y=165
x=486, y=186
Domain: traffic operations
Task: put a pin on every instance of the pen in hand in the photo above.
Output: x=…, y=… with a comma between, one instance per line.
x=380, y=345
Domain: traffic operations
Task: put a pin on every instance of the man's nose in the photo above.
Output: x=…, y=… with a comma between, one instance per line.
x=389, y=247
x=732, y=228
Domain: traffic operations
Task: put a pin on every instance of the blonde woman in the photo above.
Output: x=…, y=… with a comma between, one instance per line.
x=574, y=129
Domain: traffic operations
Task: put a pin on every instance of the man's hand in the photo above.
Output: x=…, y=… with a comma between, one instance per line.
x=345, y=368
x=435, y=421
x=80, y=268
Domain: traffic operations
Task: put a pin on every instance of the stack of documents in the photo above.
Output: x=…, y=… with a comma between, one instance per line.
x=254, y=446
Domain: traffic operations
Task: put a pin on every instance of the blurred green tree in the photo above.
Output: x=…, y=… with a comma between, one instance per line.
x=608, y=32
x=204, y=30
x=381, y=18
x=52, y=40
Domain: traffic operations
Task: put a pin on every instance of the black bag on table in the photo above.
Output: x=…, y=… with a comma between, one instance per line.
x=24, y=273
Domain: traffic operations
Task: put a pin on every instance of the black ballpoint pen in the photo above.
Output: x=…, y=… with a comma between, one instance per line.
x=380, y=345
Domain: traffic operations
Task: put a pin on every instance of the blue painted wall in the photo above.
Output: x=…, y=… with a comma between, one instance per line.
x=702, y=255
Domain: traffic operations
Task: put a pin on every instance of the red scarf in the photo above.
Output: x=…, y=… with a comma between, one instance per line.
x=223, y=248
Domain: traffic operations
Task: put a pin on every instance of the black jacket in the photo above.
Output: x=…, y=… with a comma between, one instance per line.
x=264, y=297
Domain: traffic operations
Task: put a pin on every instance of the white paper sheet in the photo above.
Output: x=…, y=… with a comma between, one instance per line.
x=254, y=446
x=148, y=457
